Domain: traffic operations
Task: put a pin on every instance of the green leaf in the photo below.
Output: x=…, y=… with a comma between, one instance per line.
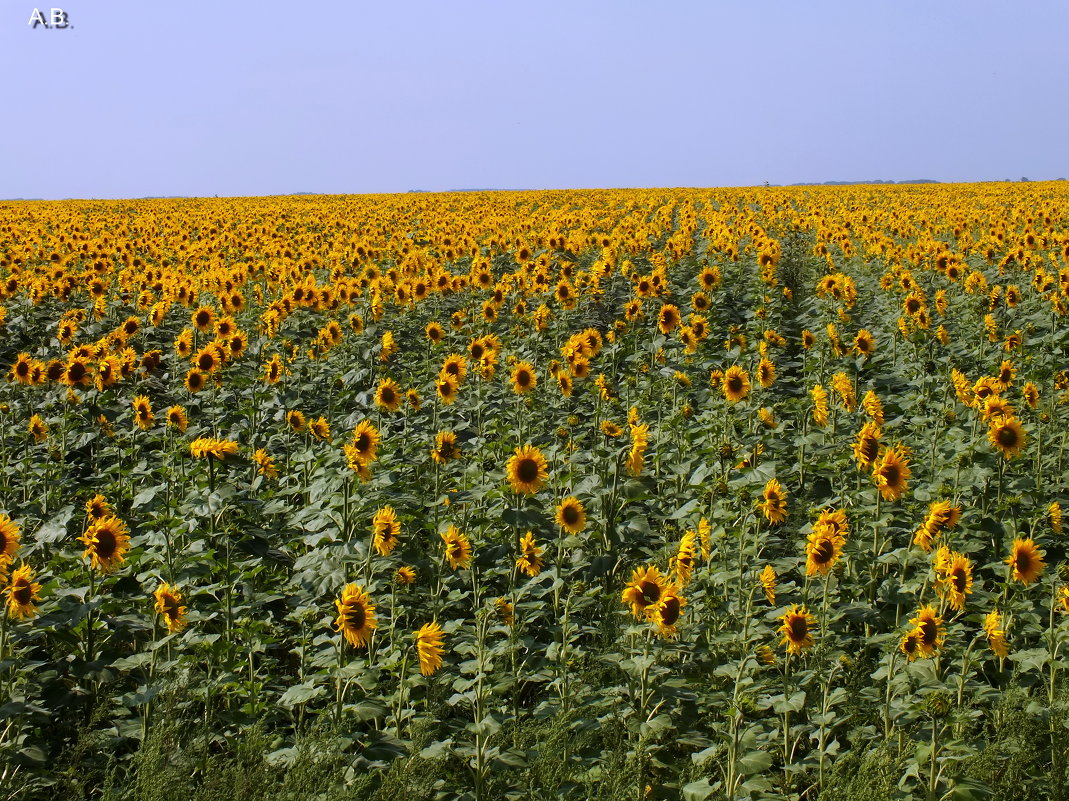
x=755, y=762
x=697, y=791
x=300, y=694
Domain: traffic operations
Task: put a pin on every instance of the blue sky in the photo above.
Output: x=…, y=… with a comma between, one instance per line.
x=207, y=98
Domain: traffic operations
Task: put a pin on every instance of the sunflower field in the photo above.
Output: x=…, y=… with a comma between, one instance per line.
x=643, y=494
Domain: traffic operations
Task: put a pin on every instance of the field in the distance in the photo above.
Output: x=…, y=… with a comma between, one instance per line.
x=639, y=494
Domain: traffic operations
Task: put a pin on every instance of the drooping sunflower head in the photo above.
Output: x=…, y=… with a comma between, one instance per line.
x=796, y=628
x=823, y=549
x=97, y=508
x=530, y=558
x=386, y=529
x=356, y=615
x=176, y=418
x=405, y=576
x=526, y=470
x=296, y=420
x=666, y=612
x=1025, y=561
x=768, y=578
x=571, y=516
x=956, y=580
x=429, y=648
x=143, y=412
x=774, y=503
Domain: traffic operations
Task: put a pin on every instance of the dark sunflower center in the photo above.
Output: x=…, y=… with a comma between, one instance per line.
x=170, y=607
x=570, y=514
x=22, y=369
x=1024, y=562
x=523, y=378
x=891, y=475
x=823, y=553
x=1007, y=437
x=670, y=611
x=477, y=351
x=735, y=384
x=959, y=579
x=527, y=470
x=363, y=443
x=76, y=372
x=929, y=632
x=105, y=544
x=355, y=617
x=22, y=593
x=651, y=591
x=799, y=629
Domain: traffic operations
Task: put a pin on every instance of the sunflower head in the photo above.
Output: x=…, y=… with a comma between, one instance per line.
x=796, y=628
x=890, y=472
x=23, y=593
x=388, y=396
x=107, y=540
x=645, y=590
x=457, y=548
x=530, y=558
x=169, y=607
x=386, y=529
x=526, y=470
x=524, y=378
x=1025, y=561
x=571, y=515
x=429, y=648
x=356, y=615
x=735, y=384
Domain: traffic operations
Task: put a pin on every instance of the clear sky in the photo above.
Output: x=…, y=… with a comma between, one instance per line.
x=264, y=97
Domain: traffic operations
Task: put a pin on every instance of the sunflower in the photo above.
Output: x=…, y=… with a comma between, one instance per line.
x=207, y=447
x=823, y=549
x=169, y=605
x=97, y=508
x=176, y=418
x=571, y=516
x=209, y=358
x=195, y=380
x=867, y=445
x=388, y=395
x=456, y=367
x=686, y=556
x=1025, y=561
x=37, y=428
x=77, y=373
x=457, y=548
x=143, y=412
x=386, y=528
x=320, y=428
x=768, y=583
x=356, y=615
x=530, y=558
x=645, y=590
x=774, y=505
x=996, y=637
x=435, y=332
x=296, y=420
x=21, y=370
x=1054, y=517
x=22, y=593
x=405, y=576
x=265, y=465
x=203, y=318
x=273, y=370
x=928, y=627
x=524, y=378
x=10, y=539
x=667, y=611
x=766, y=373
x=797, y=622
x=891, y=471
x=820, y=405
x=736, y=384
x=429, y=648
x=526, y=470
x=636, y=457
x=107, y=540
x=610, y=429
x=389, y=347
x=445, y=447
x=910, y=644
x=955, y=580
x=1006, y=434
x=364, y=445
x=864, y=343
x=446, y=386
x=667, y=318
